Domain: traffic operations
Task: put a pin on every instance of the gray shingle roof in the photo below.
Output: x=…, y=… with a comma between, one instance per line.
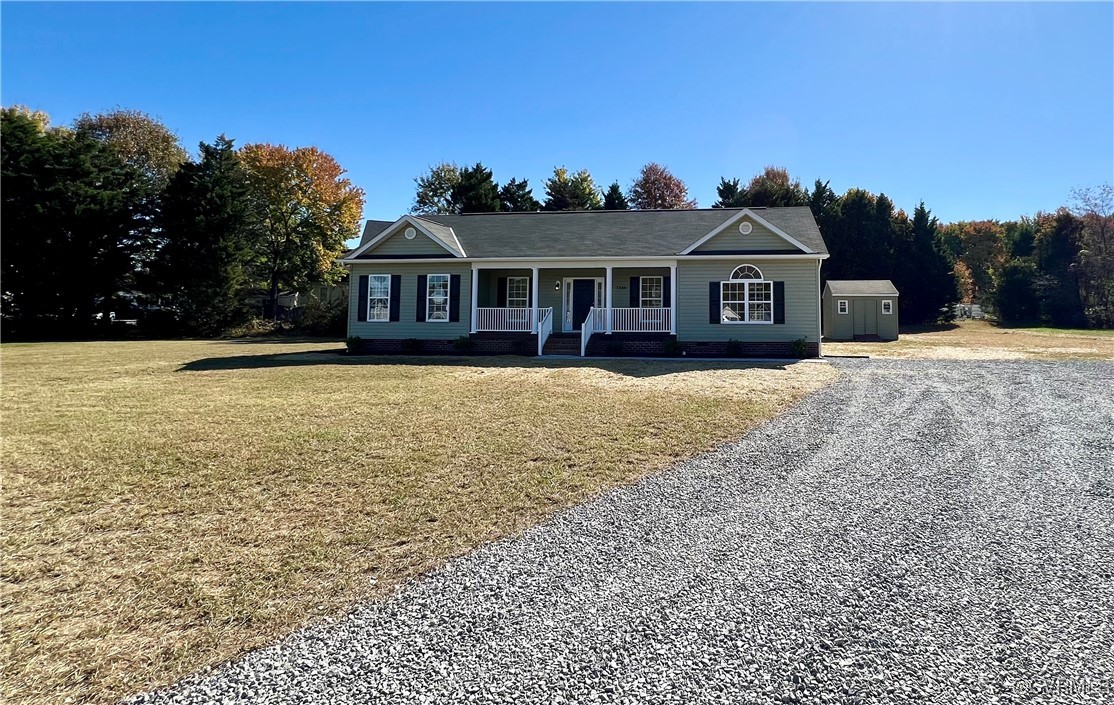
x=649, y=233
x=862, y=287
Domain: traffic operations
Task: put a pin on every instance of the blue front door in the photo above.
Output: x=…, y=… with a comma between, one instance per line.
x=583, y=298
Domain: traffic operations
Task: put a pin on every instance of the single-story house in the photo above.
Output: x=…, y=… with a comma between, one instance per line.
x=700, y=282
x=864, y=308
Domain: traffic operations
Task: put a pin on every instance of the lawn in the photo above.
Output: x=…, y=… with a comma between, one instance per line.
x=981, y=340
x=167, y=505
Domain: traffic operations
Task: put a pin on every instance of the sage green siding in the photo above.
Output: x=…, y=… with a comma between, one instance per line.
x=867, y=310
x=407, y=326
x=802, y=301
x=397, y=244
x=760, y=238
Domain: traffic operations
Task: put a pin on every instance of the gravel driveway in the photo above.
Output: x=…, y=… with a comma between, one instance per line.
x=921, y=531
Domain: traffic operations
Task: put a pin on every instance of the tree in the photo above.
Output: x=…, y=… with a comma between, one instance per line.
x=614, y=200
x=773, y=188
x=139, y=139
x=571, y=192
x=1056, y=252
x=475, y=191
x=517, y=196
x=205, y=220
x=656, y=187
x=303, y=210
x=731, y=195
x=977, y=249
x=922, y=271
x=71, y=226
x=435, y=189
x=1015, y=295
x=1094, y=208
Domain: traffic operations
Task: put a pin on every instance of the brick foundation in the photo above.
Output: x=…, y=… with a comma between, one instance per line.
x=632, y=345
x=478, y=344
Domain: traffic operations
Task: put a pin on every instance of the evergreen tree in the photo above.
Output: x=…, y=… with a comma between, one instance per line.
x=206, y=226
x=1015, y=293
x=475, y=191
x=614, y=200
x=517, y=196
x=571, y=192
x=731, y=195
x=922, y=271
x=1056, y=251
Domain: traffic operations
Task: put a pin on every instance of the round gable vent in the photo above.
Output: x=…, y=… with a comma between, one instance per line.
x=410, y=233
x=745, y=228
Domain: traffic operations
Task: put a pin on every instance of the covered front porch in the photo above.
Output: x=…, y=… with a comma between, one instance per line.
x=542, y=300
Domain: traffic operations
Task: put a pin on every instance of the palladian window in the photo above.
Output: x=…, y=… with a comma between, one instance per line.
x=747, y=297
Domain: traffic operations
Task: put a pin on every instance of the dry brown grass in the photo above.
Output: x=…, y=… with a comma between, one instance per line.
x=169, y=505
x=979, y=340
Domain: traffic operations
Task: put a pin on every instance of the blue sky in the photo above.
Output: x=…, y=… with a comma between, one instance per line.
x=982, y=111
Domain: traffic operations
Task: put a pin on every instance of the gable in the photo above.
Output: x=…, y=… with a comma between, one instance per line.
x=394, y=243
x=760, y=239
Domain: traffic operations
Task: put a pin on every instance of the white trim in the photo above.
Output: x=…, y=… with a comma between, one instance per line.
x=448, y=298
x=534, y=300
x=819, y=313
x=393, y=228
x=367, y=311
x=887, y=303
x=757, y=218
x=842, y=307
x=673, y=299
x=641, y=298
x=866, y=296
x=475, y=292
x=761, y=277
x=526, y=299
x=581, y=262
x=607, y=295
x=567, y=300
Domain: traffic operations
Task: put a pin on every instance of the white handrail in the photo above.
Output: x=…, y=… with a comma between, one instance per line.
x=545, y=326
x=593, y=323
x=641, y=320
x=505, y=319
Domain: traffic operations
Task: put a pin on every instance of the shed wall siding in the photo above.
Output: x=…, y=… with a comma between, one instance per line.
x=407, y=326
x=760, y=238
x=801, y=302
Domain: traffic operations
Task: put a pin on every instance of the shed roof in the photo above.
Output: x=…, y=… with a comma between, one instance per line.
x=635, y=233
x=862, y=287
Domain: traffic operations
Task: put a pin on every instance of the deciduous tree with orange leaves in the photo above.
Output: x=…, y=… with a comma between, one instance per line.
x=303, y=210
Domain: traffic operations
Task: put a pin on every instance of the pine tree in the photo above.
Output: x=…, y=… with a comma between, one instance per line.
x=731, y=195
x=475, y=191
x=517, y=196
x=571, y=192
x=614, y=200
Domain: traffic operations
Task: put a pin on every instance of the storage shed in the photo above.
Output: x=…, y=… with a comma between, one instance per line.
x=860, y=308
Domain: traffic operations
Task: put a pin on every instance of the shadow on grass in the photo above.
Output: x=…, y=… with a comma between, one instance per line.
x=280, y=339
x=626, y=367
x=929, y=328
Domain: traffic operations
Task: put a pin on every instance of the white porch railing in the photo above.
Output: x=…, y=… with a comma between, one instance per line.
x=505, y=319
x=595, y=322
x=545, y=326
x=641, y=320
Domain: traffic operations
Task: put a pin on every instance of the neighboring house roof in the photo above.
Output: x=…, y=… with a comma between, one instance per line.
x=862, y=287
x=636, y=233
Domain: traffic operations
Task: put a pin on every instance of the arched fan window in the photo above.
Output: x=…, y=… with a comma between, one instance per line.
x=746, y=271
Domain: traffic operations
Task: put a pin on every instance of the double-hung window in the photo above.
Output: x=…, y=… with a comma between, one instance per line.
x=887, y=306
x=518, y=292
x=651, y=292
x=841, y=306
x=437, y=298
x=747, y=297
x=379, y=297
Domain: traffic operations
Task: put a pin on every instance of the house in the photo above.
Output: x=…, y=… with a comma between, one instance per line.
x=860, y=309
x=701, y=282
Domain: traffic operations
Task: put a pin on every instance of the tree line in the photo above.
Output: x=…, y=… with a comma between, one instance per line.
x=111, y=214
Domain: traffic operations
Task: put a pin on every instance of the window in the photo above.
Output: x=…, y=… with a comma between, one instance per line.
x=379, y=297
x=651, y=292
x=437, y=298
x=887, y=307
x=747, y=298
x=518, y=292
x=841, y=306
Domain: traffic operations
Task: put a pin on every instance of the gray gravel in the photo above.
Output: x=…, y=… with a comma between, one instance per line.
x=921, y=531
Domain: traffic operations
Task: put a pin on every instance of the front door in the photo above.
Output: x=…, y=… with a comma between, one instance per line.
x=583, y=298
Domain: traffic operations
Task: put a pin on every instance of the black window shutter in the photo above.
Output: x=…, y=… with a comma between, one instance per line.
x=779, y=302
x=715, y=313
x=454, y=298
x=361, y=301
x=529, y=292
x=666, y=292
x=501, y=293
x=420, y=313
x=396, y=297
x=635, y=292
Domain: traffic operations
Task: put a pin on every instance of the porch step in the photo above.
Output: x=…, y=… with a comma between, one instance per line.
x=562, y=344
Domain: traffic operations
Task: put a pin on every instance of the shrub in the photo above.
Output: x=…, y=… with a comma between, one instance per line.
x=322, y=318
x=734, y=348
x=463, y=344
x=353, y=343
x=799, y=348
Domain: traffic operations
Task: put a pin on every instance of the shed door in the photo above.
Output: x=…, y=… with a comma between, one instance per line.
x=866, y=316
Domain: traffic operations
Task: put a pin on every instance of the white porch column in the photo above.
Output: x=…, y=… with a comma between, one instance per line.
x=475, y=295
x=534, y=295
x=607, y=296
x=673, y=298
